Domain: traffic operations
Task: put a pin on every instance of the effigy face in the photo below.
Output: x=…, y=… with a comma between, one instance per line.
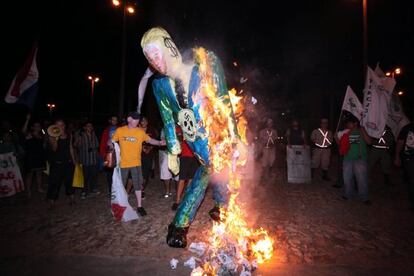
x=161, y=52
x=154, y=55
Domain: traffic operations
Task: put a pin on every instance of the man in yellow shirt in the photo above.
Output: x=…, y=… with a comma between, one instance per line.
x=130, y=139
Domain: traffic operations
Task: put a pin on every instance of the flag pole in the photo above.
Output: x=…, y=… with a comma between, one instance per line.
x=340, y=115
x=339, y=120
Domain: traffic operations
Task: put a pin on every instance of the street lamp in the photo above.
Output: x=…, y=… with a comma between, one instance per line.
x=93, y=79
x=397, y=71
x=51, y=107
x=126, y=8
x=130, y=9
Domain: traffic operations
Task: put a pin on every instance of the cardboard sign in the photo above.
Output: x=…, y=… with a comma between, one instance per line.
x=11, y=181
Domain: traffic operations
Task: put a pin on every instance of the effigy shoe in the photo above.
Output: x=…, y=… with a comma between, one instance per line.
x=177, y=236
x=215, y=213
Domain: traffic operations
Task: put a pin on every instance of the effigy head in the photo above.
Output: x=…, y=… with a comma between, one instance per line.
x=160, y=51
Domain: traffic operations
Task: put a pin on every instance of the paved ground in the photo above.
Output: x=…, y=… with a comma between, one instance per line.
x=316, y=232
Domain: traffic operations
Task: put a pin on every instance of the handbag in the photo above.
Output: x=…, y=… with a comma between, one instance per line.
x=78, y=181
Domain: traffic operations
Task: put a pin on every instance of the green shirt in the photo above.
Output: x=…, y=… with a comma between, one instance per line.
x=358, y=149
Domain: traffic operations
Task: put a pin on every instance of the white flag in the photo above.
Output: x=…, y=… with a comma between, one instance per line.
x=377, y=96
x=396, y=117
x=379, y=71
x=352, y=104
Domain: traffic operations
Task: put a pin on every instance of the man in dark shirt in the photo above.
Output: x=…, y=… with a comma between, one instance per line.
x=404, y=155
x=380, y=151
x=296, y=135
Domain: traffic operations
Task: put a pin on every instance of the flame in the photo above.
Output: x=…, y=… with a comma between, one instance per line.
x=227, y=151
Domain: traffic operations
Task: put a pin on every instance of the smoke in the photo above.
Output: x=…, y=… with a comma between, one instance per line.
x=262, y=84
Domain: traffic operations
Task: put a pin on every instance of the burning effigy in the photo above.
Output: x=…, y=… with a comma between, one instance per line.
x=195, y=96
x=232, y=245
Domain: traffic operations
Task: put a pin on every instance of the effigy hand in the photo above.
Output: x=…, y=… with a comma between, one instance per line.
x=173, y=163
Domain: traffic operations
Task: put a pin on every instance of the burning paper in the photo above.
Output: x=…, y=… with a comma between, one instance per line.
x=197, y=272
x=254, y=100
x=173, y=263
x=198, y=248
x=191, y=263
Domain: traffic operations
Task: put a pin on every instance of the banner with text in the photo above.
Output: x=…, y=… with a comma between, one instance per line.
x=11, y=181
x=377, y=96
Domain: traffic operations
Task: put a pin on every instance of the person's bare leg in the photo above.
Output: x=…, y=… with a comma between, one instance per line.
x=180, y=188
x=29, y=180
x=141, y=211
x=144, y=185
x=186, y=183
x=129, y=186
x=138, y=194
x=38, y=175
x=167, y=186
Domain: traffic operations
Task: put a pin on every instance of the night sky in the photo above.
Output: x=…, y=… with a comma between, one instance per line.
x=299, y=55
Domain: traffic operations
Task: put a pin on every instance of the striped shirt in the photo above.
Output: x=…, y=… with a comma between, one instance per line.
x=88, y=149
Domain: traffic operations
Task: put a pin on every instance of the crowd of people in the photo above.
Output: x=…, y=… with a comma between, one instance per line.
x=48, y=161
x=358, y=154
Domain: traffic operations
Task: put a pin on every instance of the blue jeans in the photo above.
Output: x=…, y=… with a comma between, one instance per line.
x=357, y=169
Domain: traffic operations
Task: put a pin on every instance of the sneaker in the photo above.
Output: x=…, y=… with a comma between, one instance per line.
x=95, y=192
x=166, y=196
x=71, y=200
x=51, y=205
x=367, y=202
x=170, y=194
x=174, y=207
x=83, y=195
x=326, y=178
x=177, y=236
x=143, y=195
x=141, y=211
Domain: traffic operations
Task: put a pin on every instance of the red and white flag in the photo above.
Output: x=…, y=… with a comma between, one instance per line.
x=24, y=86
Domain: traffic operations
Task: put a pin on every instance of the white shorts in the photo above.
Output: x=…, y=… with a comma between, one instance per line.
x=165, y=173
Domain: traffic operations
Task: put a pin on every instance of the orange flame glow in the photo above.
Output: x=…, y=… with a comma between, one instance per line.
x=217, y=113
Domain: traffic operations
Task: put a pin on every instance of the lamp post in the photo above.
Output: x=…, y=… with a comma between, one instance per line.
x=365, y=34
x=51, y=107
x=126, y=8
x=93, y=80
x=397, y=71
